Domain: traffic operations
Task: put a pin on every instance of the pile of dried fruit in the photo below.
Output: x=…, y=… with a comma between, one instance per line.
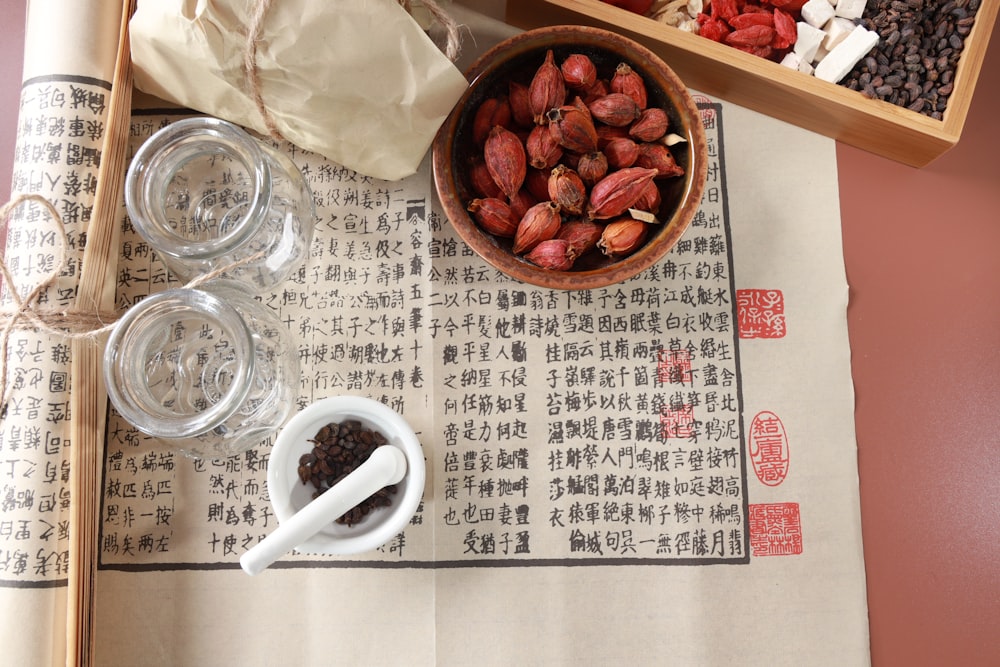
x=767, y=29
x=570, y=162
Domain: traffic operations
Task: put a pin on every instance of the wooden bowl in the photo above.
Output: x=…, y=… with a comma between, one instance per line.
x=517, y=59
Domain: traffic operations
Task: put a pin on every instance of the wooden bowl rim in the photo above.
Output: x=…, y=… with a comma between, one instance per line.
x=540, y=39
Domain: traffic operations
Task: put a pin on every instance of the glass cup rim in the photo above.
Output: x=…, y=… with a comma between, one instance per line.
x=136, y=405
x=152, y=167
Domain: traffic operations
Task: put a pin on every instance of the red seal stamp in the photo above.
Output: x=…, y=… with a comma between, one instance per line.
x=673, y=366
x=677, y=421
x=706, y=110
x=760, y=313
x=768, y=448
x=775, y=529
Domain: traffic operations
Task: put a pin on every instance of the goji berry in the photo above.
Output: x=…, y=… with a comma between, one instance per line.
x=724, y=9
x=713, y=29
x=755, y=35
x=785, y=30
x=753, y=18
x=753, y=26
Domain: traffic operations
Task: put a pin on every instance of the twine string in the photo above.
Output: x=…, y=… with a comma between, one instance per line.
x=443, y=19
x=250, y=69
x=24, y=311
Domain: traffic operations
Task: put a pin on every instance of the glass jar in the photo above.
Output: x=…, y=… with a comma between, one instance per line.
x=210, y=371
x=205, y=194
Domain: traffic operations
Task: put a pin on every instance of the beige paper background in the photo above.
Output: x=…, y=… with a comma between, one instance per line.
x=781, y=610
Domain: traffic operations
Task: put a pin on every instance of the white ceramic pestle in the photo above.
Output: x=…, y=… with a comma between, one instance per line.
x=385, y=466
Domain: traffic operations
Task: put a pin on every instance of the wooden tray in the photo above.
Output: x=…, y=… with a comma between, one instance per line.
x=829, y=109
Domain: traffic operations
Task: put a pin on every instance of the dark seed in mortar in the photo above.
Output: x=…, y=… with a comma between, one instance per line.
x=338, y=449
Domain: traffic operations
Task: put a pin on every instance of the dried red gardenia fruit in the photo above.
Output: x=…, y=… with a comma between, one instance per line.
x=592, y=167
x=599, y=89
x=521, y=202
x=481, y=180
x=544, y=152
x=493, y=111
x=494, y=216
x=553, y=254
x=520, y=108
x=650, y=199
x=547, y=89
x=651, y=125
x=590, y=157
x=620, y=152
x=540, y=223
x=505, y=159
x=582, y=235
x=579, y=71
x=567, y=189
x=571, y=159
x=623, y=237
x=573, y=129
x=657, y=156
x=615, y=109
x=606, y=133
x=581, y=105
x=617, y=192
x=627, y=81
x=537, y=183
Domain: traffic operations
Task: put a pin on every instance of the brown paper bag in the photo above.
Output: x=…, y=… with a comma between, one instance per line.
x=358, y=82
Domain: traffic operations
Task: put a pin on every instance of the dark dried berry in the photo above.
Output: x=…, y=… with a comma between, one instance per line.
x=337, y=450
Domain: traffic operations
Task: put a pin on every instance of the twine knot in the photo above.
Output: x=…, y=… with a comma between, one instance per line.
x=27, y=313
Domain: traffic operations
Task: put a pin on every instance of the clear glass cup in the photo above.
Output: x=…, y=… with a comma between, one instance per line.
x=205, y=194
x=210, y=371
